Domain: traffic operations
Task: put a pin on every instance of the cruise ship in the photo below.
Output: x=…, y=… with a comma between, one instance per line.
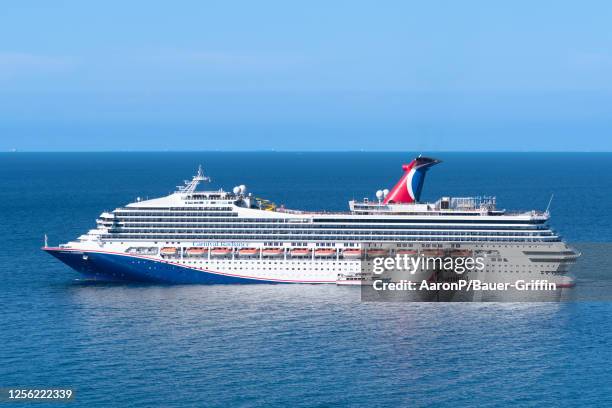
x=218, y=237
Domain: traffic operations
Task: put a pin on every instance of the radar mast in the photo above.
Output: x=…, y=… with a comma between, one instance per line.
x=190, y=186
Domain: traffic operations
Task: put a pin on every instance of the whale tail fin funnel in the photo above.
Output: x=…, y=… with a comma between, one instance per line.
x=408, y=188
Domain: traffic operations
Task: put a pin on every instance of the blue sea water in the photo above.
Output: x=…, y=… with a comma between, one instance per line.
x=291, y=345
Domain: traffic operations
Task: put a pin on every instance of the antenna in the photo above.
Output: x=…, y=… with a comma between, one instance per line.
x=190, y=186
x=549, y=202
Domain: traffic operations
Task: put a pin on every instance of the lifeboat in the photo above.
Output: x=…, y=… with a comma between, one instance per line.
x=272, y=251
x=377, y=252
x=196, y=251
x=300, y=252
x=325, y=252
x=248, y=251
x=168, y=251
x=409, y=252
x=461, y=253
x=352, y=253
x=433, y=252
x=220, y=251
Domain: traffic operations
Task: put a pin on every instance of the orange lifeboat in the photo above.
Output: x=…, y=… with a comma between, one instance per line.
x=272, y=251
x=461, y=253
x=352, y=253
x=409, y=252
x=196, y=251
x=433, y=252
x=221, y=251
x=325, y=252
x=300, y=252
x=168, y=251
x=248, y=251
x=377, y=252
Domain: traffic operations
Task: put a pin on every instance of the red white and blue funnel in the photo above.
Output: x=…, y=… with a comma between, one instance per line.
x=408, y=188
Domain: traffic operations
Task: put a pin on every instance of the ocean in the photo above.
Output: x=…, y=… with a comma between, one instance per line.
x=292, y=345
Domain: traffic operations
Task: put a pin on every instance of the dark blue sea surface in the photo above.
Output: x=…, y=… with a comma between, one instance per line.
x=291, y=345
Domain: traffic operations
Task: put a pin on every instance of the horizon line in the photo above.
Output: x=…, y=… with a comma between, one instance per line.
x=16, y=151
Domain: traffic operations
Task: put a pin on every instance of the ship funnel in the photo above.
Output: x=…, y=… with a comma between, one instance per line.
x=408, y=188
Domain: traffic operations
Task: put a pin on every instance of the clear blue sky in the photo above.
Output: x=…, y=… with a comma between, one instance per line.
x=310, y=75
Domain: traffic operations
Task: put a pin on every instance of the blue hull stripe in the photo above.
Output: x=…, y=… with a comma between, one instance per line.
x=111, y=266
